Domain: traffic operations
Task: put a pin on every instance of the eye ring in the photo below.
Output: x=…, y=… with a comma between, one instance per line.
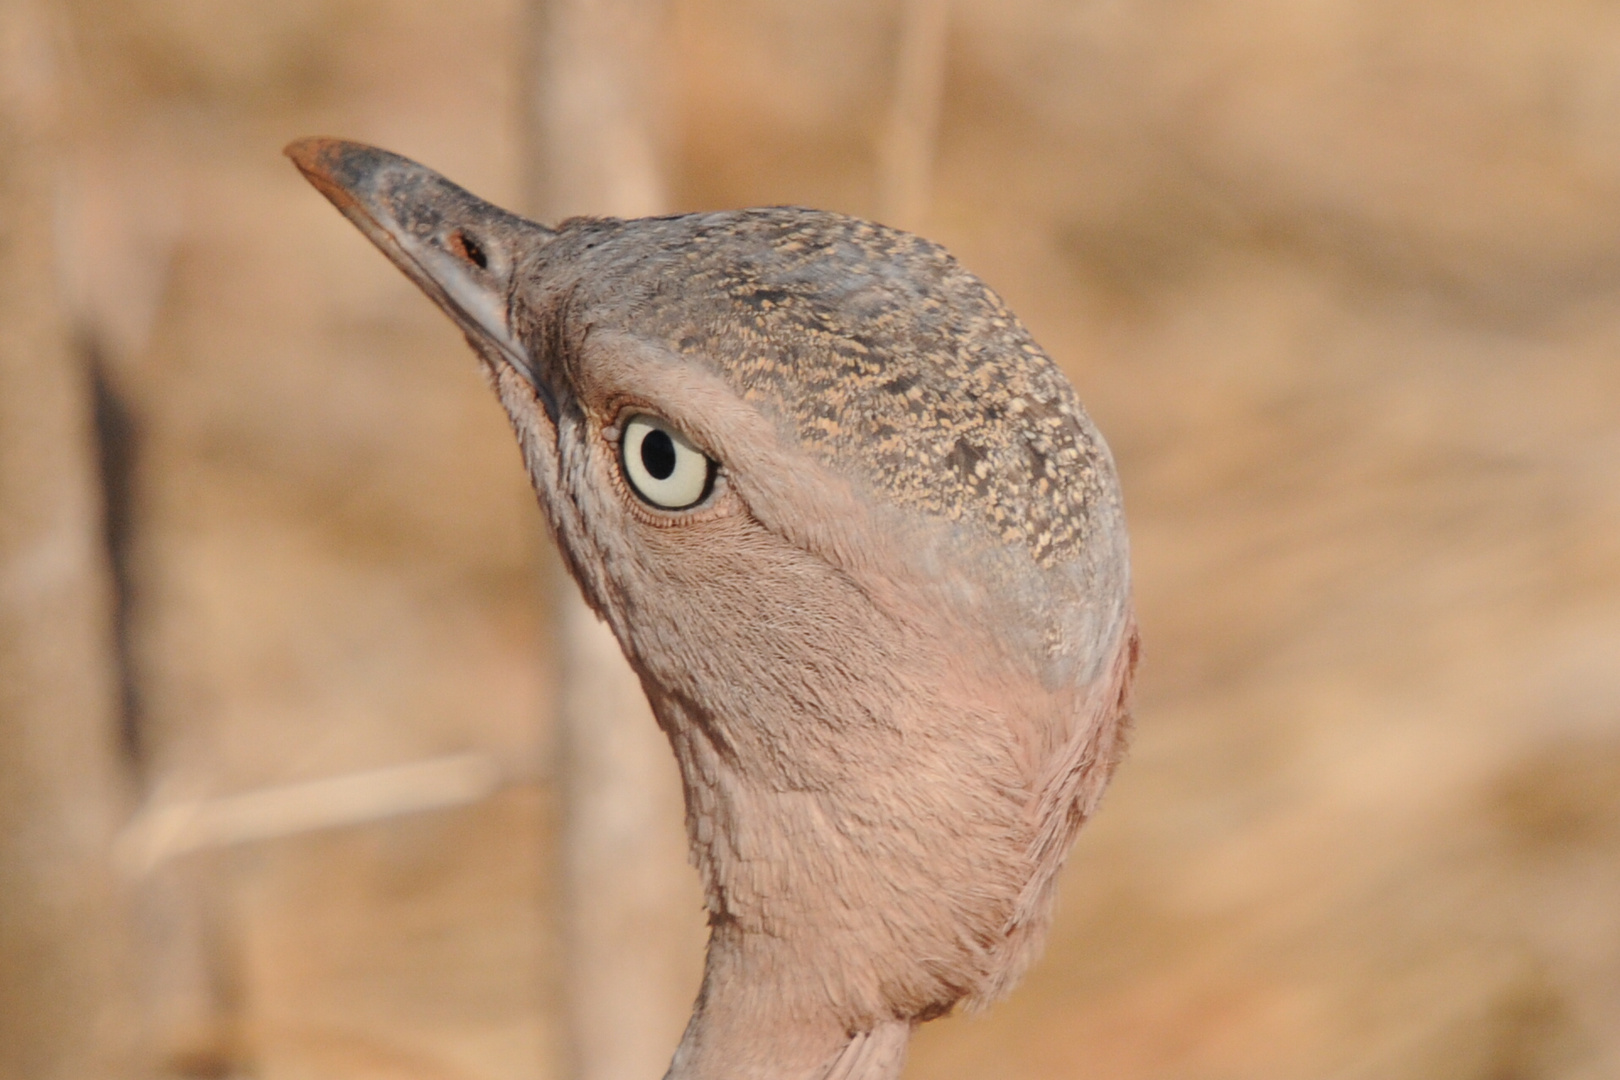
x=661, y=465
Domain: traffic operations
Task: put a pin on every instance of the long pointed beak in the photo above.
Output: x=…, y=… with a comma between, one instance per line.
x=459, y=249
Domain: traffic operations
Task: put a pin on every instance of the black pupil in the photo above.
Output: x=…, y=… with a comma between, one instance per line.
x=658, y=454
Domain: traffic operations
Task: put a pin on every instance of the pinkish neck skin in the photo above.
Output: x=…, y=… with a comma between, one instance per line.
x=786, y=1051
x=745, y=1028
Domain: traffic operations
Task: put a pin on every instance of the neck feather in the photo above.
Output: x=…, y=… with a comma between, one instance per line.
x=748, y=1025
x=723, y=1052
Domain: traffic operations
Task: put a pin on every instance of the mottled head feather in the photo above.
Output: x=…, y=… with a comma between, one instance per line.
x=883, y=357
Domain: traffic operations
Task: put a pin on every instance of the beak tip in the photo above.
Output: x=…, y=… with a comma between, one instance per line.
x=338, y=168
x=307, y=153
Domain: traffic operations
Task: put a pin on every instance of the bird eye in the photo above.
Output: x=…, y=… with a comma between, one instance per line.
x=661, y=465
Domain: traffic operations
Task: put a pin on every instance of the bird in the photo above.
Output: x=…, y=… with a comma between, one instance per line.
x=866, y=553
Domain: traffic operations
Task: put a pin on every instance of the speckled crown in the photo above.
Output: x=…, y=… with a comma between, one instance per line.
x=883, y=355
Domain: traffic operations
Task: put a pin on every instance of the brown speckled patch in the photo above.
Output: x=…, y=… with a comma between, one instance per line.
x=888, y=360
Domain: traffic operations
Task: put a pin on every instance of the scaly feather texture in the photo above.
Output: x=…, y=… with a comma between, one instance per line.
x=891, y=645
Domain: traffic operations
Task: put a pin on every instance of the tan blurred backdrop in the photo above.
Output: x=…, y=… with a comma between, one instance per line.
x=1340, y=282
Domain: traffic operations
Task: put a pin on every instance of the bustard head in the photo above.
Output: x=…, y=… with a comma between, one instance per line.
x=865, y=551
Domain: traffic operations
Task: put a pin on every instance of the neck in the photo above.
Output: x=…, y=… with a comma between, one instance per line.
x=748, y=1025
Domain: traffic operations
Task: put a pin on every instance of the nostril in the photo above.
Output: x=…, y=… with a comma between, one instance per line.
x=470, y=249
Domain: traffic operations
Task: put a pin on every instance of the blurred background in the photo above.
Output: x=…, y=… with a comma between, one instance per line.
x=287, y=784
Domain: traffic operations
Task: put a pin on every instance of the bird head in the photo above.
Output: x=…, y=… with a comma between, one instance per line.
x=858, y=539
